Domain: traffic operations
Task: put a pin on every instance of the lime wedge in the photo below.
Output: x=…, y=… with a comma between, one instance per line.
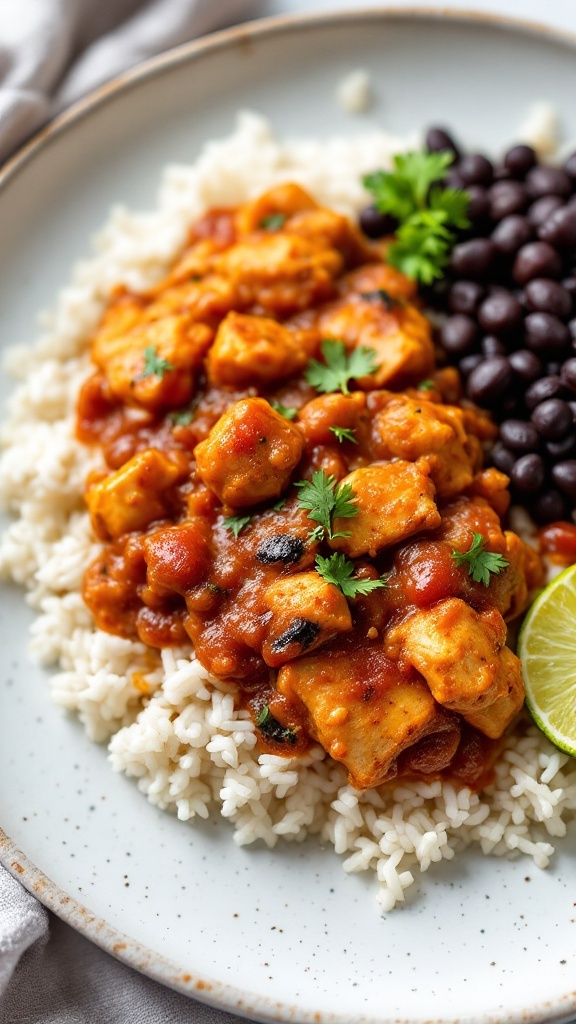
x=547, y=650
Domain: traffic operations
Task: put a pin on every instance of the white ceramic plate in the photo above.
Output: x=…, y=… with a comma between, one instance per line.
x=284, y=935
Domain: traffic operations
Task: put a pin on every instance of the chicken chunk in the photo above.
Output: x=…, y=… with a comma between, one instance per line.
x=320, y=414
x=394, y=499
x=332, y=230
x=364, y=712
x=252, y=350
x=152, y=364
x=282, y=202
x=281, y=274
x=397, y=333
x=306, y=612
x=208, y=300
x=408, y=428
x=136, y=494
x=177, y=557
x=462, y=656
x=250, y=453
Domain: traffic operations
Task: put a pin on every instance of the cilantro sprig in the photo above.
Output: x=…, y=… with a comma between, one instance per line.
x=236, y=524
x=480, y=562
x=325, y=500
x=427, y=213
x=339, y=367
x=273, y=222
x=340, y=570
x=287, y=411
x=343, y=434
x=273, y=729
x=154, y=365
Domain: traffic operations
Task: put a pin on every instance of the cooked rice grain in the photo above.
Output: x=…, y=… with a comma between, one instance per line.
x=169, y=724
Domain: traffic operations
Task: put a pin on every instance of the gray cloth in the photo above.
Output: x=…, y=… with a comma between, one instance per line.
x=54, y=51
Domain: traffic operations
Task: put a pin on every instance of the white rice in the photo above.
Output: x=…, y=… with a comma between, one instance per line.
x=168, y=723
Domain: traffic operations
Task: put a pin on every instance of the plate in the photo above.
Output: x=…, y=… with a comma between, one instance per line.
x=283, y=935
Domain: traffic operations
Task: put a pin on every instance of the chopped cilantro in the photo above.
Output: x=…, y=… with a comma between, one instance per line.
x=339, y=367
x=287, y=411
x=426, y=385
x=343, y=434
x=236, y=524
x=154, y=365
x=480, y=562
x=273, y=222
x=339, y=570
x=326, y=500
x=271, y=728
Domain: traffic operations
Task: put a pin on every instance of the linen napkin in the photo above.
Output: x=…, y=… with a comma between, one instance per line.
x=54, y=51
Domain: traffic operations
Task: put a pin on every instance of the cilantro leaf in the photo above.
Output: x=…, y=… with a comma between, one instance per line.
x=317, y=534
x=480, y=562
x=324, y=500
x=339, y=367
x=236, y=524
x=379, y=295
x=343, y=434
x=339, y=570
x=427, y=212
x=426, y=385
x=154, y=365
x=182, y=418
x=404, y=190
x=287, y=411
x=273, y=222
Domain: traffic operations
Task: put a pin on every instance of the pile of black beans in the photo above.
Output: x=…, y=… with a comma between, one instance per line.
x=509, y=296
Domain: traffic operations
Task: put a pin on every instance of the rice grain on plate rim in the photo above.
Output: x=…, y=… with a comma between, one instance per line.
x=169, y=724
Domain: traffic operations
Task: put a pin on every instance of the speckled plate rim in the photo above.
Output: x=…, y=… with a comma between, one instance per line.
x=134, y=954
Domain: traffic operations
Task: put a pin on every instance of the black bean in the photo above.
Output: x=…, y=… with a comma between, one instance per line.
x=301, y=631
x=459, y=335
x=564, y=476
x=549, y=507
x=543, y=389
x=568, y=373
x=490, y=380
x=502, y=458
x=469, y=363
x=519, y=160
x=570, y=166
x=552, y=419
x=500, y=313
x=474, y=258
x=569, y=283
x=511, y=233
x=536, y=259
x=475, y=169
x=454, y=179
x=506, y=198
x=560, y=228
x=438, y=140
x=544, y=181
x=546, y=334
x=543, y=208
x=546, y=296
x=519, y=436
x=375, y=224
x=479, y=206
x=492, y=346
x=573, y=409
x=564, y=449
x=528, y=474
x=552, y=369
x=283, y=547
x=526, y=365
x=572, y=329
x=465, y=297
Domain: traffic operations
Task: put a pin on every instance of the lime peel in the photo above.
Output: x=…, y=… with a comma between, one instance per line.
x=547, y=650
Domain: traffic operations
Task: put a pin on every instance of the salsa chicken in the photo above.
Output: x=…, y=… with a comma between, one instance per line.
x=293, y=486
